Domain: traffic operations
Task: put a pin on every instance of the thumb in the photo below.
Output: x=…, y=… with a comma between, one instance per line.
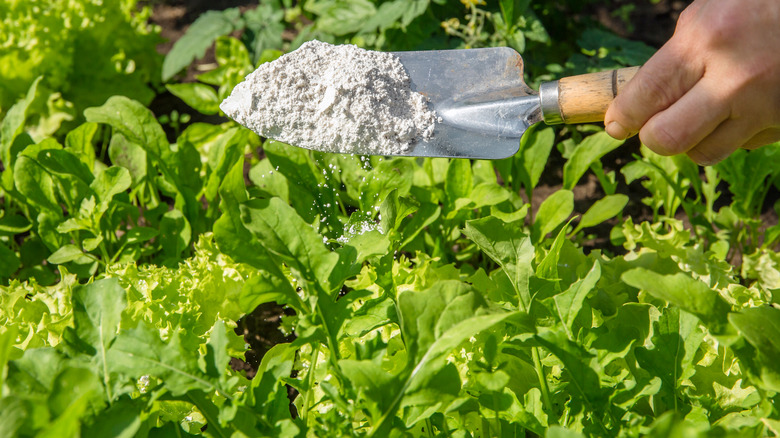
x=664, y=79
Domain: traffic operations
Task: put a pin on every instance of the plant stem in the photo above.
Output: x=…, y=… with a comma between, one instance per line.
x=315, y=354
x=543, y=386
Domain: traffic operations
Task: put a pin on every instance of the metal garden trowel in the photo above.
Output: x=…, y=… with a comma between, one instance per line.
x=485, y=106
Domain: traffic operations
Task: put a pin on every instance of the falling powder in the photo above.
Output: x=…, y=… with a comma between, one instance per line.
x=334, y=99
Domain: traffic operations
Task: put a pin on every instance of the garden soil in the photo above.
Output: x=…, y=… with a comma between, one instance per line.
x=639, y=20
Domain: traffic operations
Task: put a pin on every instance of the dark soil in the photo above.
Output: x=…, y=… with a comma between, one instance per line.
x=639, y=20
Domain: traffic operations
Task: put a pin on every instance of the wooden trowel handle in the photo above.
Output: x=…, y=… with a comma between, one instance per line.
x=583, y=98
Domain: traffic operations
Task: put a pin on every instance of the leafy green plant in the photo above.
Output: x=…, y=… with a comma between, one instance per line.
x=425, y=296
x=85, y=50
x=85, y=215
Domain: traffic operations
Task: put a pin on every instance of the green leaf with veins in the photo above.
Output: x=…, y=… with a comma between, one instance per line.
x=284, y=234
x=689, y=294
x=508, y=246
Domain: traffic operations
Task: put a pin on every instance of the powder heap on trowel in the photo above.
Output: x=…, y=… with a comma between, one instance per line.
x=334, y=99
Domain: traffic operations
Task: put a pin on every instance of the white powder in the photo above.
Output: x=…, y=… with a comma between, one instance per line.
x=334, y=99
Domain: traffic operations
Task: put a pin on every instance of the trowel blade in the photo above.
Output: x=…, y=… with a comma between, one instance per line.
x=480, y=96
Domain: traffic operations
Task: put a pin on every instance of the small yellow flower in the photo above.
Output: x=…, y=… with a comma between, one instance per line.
x=452, y=23
x=470, y=3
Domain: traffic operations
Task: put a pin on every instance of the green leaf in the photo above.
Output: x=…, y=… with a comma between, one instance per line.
x=201, y=97
x=266, y=287
x=548, y=267
x=602, y=210
x=535, y=145
x=562, y=432
x=676, y=340
x=761, y=327
x=134, y=121
x=264, y=28
x=552, y=213
x=97, y=312
x=9, y=262
x=7, y=341
x=373, y=382
x=11, y=127
x=66, y=254
x=283, y=233
x=487, y=194
x=681, y=290
x=387, y=15
x=511, y=10
x=79, y=142
x=459, y=181
x=111, y=182
x=569, y=303
x=14, y=223
x=175, y=234
x=389, y=175
x=128, y=155
x=36, y=184
x=140, y=351
x=62, y=162
x=581, y=369
x=121, y=420
x=393, y=211
x=339, y=17
x=97, y=309
x=199, y=37
x=230, y=234
x=225, y=152
x=434, y=322
x=140, y=235
x=590, y=150
x=506, y=244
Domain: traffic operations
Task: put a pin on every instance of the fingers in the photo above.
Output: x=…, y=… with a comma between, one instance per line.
x=719, y=144
x=765, y=137
x=658, y=84
x=688, y=121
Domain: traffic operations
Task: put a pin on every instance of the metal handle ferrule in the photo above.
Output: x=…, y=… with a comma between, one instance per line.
x=548, y=98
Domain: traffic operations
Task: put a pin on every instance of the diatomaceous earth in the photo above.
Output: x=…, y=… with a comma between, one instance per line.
x=334, y=99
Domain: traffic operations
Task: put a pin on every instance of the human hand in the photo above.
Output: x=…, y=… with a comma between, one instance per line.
x=712, y=88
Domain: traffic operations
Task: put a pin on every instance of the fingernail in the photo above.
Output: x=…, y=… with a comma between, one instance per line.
x=617, y=131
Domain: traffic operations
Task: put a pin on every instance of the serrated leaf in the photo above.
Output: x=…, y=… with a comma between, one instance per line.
x=681, y=290
x=761, y=326
x=283, y=233
x=676, y=340
x=509, y=247
x=569, y=303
